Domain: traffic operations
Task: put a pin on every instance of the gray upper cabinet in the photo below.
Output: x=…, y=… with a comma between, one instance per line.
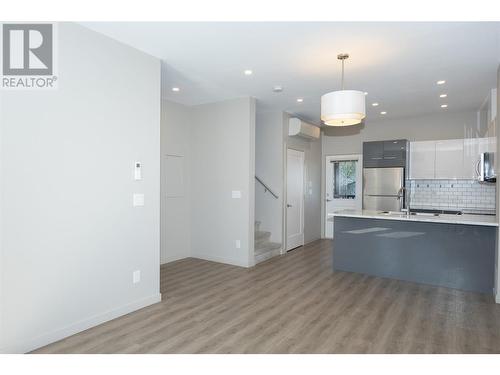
x=373, y=154
x=385, y=153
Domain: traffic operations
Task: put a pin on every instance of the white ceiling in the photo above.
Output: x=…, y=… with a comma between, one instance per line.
x=398, y=64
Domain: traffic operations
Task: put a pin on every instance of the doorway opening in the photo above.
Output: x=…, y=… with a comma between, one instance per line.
x=343, y=186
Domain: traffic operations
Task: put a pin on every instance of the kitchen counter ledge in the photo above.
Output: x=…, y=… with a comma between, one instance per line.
x=466, y=219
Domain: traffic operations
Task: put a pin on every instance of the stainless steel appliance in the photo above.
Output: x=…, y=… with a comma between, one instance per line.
x=383, y=189
x=486, y=167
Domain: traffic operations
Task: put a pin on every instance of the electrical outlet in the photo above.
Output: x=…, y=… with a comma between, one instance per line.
x=238, y=244
x=136, y=277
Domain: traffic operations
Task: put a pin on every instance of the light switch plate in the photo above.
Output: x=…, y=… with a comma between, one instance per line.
x=236, y=194
x=238, y=244
x=138, y=200
x=136, y=276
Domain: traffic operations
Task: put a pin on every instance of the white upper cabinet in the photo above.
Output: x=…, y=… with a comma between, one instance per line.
x=472, y=149
x=450, y=159
x=422, y=160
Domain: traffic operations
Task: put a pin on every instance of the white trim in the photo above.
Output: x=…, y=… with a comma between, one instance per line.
x=82, y=325
x=326, y=159
x=218, y=259
x=497, y=298
x=285, y=190
x=302, y=154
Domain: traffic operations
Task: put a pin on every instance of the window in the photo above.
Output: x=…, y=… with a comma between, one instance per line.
x=344, y=179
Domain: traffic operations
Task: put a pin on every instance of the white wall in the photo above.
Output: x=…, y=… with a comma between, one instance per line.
x=175, y=205
x=70, y=236
x=446, y=125
x=312, y=199
x=269, y=166
x=222, y=160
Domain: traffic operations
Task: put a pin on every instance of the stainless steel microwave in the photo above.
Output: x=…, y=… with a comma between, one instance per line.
x=486, y=167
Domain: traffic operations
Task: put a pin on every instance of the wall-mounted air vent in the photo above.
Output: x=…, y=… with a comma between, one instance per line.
x=297, y=127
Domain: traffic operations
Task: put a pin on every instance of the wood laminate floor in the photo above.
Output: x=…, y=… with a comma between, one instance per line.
x=295, y=304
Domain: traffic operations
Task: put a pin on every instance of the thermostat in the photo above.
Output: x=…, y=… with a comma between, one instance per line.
x=137, y=170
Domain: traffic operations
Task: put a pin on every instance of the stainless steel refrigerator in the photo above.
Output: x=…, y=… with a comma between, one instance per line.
x=383, y=189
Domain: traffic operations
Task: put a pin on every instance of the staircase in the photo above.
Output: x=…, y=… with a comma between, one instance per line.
x=264, y=248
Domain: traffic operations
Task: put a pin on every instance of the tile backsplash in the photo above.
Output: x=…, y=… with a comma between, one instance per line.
x=452, y=194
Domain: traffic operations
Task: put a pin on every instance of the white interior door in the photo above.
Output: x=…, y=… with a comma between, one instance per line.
x=295, y=199
x=343, y=186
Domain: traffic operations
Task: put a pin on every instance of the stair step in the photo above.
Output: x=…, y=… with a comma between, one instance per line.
x=261, y=235
x=267, y=253
x=270, y=246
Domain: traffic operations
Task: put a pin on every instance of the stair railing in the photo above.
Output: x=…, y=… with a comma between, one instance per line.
x=266, y=187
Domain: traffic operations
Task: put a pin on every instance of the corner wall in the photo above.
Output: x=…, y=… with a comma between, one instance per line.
x=175, y=181
x=223, y=161
x=71, y=238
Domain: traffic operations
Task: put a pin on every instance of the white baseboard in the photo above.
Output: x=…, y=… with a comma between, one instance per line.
x=214, y=258
x=171, y=259
x=497, y=298
x=82, y=325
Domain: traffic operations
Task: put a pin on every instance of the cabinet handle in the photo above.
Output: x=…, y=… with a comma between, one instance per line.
x=376, y=158
x=389, y=157
x=478, y=172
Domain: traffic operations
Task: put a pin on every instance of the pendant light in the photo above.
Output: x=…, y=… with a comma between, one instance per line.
x=344, y=107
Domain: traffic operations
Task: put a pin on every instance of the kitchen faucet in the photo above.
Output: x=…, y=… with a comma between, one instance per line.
x=405, y=193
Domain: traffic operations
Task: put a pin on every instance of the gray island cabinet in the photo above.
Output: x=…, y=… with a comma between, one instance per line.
x=448, y=251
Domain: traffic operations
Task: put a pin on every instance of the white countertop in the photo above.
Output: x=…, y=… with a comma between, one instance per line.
x=467, y=219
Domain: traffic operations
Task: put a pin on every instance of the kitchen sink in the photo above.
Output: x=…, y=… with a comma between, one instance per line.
x=424, y=214
x=398, y=213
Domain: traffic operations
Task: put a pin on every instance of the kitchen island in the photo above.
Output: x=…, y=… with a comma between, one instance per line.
x=455, y=251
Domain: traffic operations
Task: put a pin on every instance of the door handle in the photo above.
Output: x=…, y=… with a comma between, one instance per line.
x=289, y=205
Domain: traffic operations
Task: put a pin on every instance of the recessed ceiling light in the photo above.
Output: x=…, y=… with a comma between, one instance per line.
x=444, y=105
x=383, y=113
x=277, y=88
x=443, y=95
x=176, y=89
x=374, y=104
x=441, y=82
x=248, y=72
x=300, y=100
x=366, y=93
